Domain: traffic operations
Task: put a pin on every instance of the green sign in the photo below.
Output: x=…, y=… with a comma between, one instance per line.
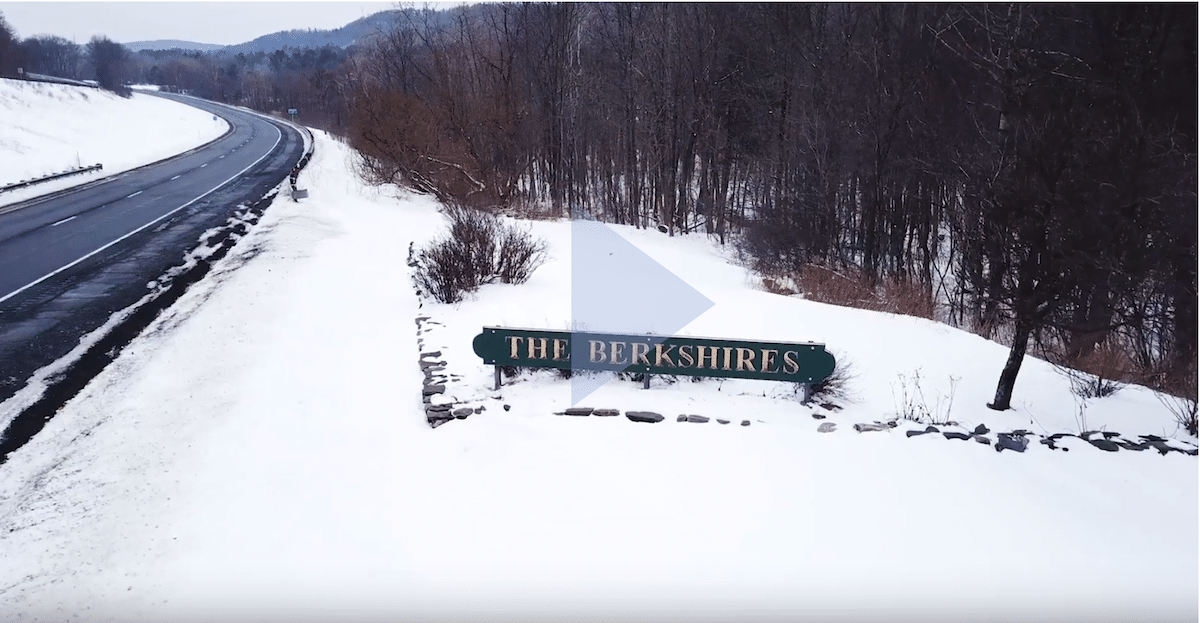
x=654, y=354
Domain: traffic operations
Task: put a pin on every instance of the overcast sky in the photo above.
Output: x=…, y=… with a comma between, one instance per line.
x=223, y=23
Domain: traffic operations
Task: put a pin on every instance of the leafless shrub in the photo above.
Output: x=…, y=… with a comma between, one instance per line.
x=835, y=387
x=519, y=255
x=1180, y=400
x=1087, y=385
x=1098, y=374
x=478, y=250
x=912, y=405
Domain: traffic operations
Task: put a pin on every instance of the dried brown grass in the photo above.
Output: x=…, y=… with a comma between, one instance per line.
x=853, y=288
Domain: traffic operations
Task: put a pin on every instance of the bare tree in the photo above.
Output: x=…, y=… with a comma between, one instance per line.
x=110, y=64
x=53, y=56
x=9, y=49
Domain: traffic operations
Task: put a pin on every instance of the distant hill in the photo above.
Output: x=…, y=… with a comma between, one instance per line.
x=353, y=33
x=171, y=44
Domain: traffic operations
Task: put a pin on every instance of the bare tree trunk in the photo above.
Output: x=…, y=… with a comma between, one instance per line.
x=1008, y=376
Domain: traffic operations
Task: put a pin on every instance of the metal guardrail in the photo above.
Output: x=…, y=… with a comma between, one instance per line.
x=294, y=176
x=24, y=183
x=29, y=77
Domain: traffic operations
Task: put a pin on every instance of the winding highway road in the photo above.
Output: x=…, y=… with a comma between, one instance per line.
x=69, y=261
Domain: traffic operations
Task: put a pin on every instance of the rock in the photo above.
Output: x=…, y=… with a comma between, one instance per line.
x=1105, y=444
x=462, y=413
x=606, y=412
x=981, y=439
x=818, y=416
x=829, y=406
x=1110, y=434
x=1084, y=435
x=1130, y=445
x=720, y=421
x=578, y=411
x=644, y=416
x=1009, y=441
x=862, y=428
x=436, y=353
x=981, y=430
x=928, y=429
x=681, y=418
x=1151, y=438
x=826, y=427
x=745, y=422
x=1020, y=431
x=1162, y=447
x=950, y=434
x=480, y=410
x=444, y=407
x=433, y=389
x=697, y=419
x=507, y=407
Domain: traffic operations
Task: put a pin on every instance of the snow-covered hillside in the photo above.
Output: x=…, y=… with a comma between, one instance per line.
x=262, y=452
x=51, y=128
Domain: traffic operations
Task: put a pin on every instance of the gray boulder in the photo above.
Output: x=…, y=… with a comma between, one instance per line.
x=1009, y=441
x=644, y=416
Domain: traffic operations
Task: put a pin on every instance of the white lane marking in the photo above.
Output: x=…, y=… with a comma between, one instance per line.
x=222, y=156
x=134, y=194
x=175, y=178
x=69, y=218
x=203, y=165
x=206, y=193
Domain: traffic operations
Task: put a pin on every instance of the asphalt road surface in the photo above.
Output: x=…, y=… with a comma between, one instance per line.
x=69, y=262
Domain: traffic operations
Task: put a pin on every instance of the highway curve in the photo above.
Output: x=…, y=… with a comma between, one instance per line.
x=68, y=262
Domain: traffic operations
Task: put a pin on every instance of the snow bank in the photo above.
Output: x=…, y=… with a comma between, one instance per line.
x=262, y=453
x=51, y=128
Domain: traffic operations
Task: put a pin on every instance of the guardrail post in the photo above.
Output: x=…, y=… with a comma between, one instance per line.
x=497, y=372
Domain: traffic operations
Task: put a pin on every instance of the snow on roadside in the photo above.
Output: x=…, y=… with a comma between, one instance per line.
x=261, y=453
x=52, y=128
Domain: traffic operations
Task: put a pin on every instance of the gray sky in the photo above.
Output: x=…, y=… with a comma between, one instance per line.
x=202, y=22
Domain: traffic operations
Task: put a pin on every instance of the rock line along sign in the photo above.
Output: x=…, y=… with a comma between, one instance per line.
x=806, y=363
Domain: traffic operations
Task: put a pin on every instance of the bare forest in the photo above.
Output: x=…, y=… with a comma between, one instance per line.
x=1023, y=171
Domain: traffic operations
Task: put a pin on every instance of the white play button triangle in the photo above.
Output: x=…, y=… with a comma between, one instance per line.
x=616, y=288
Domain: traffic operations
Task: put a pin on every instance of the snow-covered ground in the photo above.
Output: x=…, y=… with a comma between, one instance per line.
x=52, y=128
x=262, y=453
